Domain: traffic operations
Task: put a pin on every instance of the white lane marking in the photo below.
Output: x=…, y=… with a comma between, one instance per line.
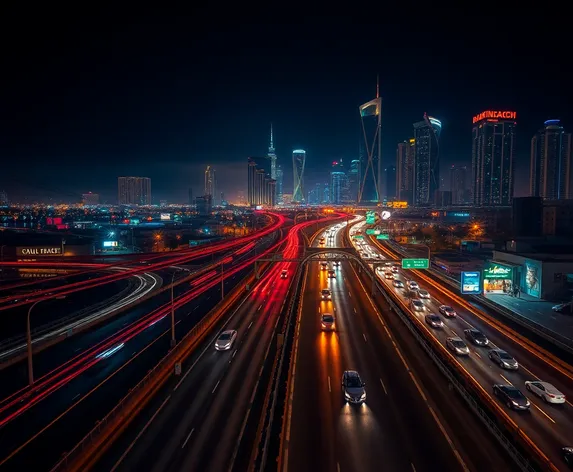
x=235, y=353
x=501, y=375
x=383, y=387
x=349, y=294
x=355, y=311
x=337, y=467
x=365, y=340
x=329, y=389
x=413, y=468
x=250, y=324
x=187, y=438
x=477, y=354
x=260, y=306
x=218, y=382
x=546, y=415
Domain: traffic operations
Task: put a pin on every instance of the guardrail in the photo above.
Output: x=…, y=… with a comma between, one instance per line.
x=88, y=451
x=510, y=436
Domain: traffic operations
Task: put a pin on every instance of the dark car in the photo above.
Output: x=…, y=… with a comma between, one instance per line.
x=476, y=337
x=568, y=456
x=512, y=397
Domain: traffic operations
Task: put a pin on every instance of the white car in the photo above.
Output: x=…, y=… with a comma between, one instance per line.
x=389, y=276
x=417, y=305
x=412, y=285
x=544, y=390
x=424, y=294
x=226, y=340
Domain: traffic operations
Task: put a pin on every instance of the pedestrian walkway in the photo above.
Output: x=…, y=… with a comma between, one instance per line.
x=536, y=310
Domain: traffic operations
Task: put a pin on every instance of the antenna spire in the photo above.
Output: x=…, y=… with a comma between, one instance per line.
x=272, y=136
x=377, y=86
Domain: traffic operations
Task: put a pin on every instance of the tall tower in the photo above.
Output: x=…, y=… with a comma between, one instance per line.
x=371, y=119
x=550, y=169
x=272, y=156
x=210, y=182
x=427, y=160
x=279, y=179
x=298, y=162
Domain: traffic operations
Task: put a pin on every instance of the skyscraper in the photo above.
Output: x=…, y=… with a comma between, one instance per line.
x=272, y=156
x=550, y=169
x=260, y=187
x=210, y=183
x=298, y=163
x=354, y=179
x=280, y=177
x=390, y=187
x=405, y=155
x=339, y=191
x=427, y=160
x=134, y=190
x=458, y=184
x=493, y=151
x=371, y=120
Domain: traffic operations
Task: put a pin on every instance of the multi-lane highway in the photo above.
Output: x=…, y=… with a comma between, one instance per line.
x=549, y=427
x=199, y=423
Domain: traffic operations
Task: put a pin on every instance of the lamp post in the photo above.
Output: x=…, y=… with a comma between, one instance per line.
x=29, y=338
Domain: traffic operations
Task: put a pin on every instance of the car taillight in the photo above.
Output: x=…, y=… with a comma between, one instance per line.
x=551, y=395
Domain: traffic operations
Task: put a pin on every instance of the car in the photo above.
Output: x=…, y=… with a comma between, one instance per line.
x=424, y=294
x=417, y=305
x=503, y=359
x=395, y=270
x=476, y=337
x=511, y=396
x=457, y=346
x=434, y=320
x=387, y=264
x=331, y=274
x=412, y=285
x=284, y=274
x=353, y=387
x=565, y=308
x=546, y=391
x=388, y=275
x=568, y=455
x=325, y=294
x=447, y=310
x=327, y=322
x=398, y=283
x=226, y=340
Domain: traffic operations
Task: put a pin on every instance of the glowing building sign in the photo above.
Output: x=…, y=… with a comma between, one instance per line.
x=495, y=115
x=497, y=271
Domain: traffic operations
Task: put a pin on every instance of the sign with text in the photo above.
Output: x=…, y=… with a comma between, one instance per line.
x=415, y=263
x=370, y=231
x=495, y=270
x=383, y=236
x=471, y=282
x=358, y=236
x=39, y=251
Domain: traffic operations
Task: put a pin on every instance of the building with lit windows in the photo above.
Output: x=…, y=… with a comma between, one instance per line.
x=280, y=178
x=210, y=183
x=427, y=160
x=339, y=188
x=405, y=155
x=298, y=163
x=134, y=190
x=354, y=179
x=261, y=188
x=90, y=199
x=550, y=168
x=458, y=185
x=493, y=153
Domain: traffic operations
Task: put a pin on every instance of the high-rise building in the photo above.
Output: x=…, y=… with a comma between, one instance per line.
x=272, y=156
x=458, y=184
x=405, y=155
x=259, y=182
x=550, y=169
x=280, y=177
x=371, y=120
x=390, y=187
x=204, y=205
x=134, y=190
x=354, y=179
x=339, y=188
x=493, y=152
x=210, y=183
x=90, y=198
x=3, y=198
x=298, y=163
x=427, y=160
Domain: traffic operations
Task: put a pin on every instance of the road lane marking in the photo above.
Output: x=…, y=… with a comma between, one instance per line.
x=216, y=385
x=383, y=387
x=365, y=340
x=235, y=353
x=187, y=438
x=337, y=467
x=477, y=354
x=501, y=375
x=349, y=294
x=260, y=306
x=527, y=370
x=250, y=324
x=546, y=415
x=329, y=389
x=355, y=311
x=413, y=468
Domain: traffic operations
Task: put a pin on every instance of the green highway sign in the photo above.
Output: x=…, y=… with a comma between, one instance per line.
x=383, y=236
x=370, y=231
x=415, y=263
x=358, y=236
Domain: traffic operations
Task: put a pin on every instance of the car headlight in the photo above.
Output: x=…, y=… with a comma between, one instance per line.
x=514, y=403
x=505, y=364
x=346, y=395
x=363, y=396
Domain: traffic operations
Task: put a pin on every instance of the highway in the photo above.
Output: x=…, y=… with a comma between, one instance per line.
x=549, y=427
x=48, y=419
x=198, y=423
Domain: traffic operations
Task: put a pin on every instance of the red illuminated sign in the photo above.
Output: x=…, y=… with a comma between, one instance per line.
x=496, y=115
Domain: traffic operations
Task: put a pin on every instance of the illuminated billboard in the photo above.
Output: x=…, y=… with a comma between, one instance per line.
x=110, y=244
x=495, y=115
x=370, y=217
x=471, y=283
x=165, y=216
x=393, y=204
x=532, y=278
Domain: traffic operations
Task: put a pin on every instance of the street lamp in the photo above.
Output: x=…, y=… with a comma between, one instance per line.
x=29, y=337
x=173, y=340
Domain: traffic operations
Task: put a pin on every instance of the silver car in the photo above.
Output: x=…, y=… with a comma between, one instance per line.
x=434, y=321
x=457, y=346
x=353, y=387
x=424, y=294
x=417, y=305
x=546, y=391
x=226, y=340
x=503, y=359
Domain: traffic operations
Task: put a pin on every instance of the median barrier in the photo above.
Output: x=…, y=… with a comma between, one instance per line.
x=89, y=450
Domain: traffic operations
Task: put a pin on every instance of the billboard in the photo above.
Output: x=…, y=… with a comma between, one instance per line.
x=110, y=244
x=395, y=204
x=495, y=270
x=39, y=251
x=165, y=216
x=532, y=278
x=471, y=283
x=370, y=217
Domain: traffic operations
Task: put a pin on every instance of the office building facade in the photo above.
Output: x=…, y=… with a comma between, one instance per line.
x=550, y=166
x=279, y=184
x=458, y=185
x=298, y=164
x=427, y=160
x=90, y=198
x=354, y=179
x=405, y=155
x=493, y=153
x=134, y=190
x=339, y=186
x=210, y=184
x=261, y=188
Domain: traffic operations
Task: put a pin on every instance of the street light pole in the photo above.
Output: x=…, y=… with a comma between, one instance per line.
x=29, y=339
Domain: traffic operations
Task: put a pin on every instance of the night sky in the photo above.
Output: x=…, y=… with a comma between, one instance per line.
x=84, y=102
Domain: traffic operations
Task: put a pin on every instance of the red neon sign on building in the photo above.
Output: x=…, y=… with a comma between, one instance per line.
x=496, y=115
